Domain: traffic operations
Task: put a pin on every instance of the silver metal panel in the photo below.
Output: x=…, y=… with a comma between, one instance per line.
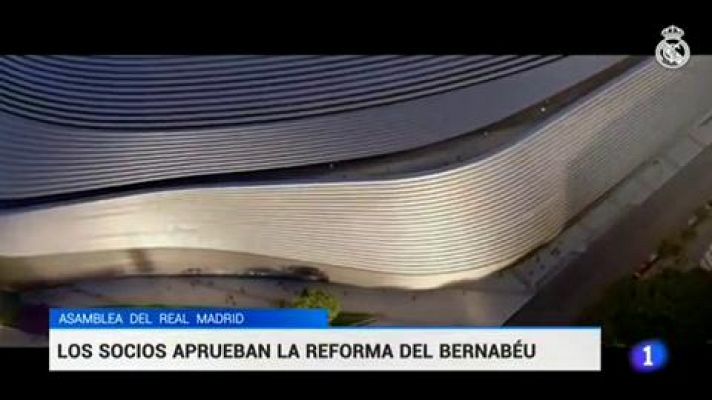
x=420, y=231
x=72, y=124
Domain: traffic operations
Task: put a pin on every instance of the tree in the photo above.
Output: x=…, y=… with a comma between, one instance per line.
x=9, y=308
x=315, y=298
x=669, y=248
x=672, y=305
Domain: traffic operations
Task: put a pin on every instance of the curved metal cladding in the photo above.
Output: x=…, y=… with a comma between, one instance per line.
x=418, y=231
x=73, y=124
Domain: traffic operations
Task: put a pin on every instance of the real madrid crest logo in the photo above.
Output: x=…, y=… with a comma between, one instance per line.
x=672, y=52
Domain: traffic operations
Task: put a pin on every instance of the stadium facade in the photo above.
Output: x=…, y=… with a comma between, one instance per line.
x=391, y=171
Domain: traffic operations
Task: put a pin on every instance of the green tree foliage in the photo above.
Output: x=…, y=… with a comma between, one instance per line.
x=673, y=305
x=353, y=319
x=314, y=298
x=702, y=213
x=9, y=308
x=669, y=248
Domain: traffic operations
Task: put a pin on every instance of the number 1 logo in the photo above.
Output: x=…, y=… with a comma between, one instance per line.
x=649, y=356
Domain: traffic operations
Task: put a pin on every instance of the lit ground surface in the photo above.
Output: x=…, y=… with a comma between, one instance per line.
x=14, y=338
x=482, y=303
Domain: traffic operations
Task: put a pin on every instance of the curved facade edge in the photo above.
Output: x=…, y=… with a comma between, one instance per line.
x=417, y=232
